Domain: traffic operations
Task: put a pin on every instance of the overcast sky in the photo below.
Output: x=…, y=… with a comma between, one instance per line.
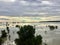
x=30, y=7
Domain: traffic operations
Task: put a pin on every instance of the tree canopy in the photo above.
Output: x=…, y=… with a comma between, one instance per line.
x=3, y=36
x=27, y=36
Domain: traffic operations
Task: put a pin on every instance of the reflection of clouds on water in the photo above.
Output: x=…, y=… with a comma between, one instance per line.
x=50, y=36
x=13, y=35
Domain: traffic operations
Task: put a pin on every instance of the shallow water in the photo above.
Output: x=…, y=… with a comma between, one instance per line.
x=50, y=37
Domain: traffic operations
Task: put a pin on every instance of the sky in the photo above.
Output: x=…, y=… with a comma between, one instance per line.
x=30, y=7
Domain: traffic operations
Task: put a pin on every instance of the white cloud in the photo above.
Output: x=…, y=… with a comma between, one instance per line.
x=27, y=3
x=19, y=7
x=8, y=0
x=24, y=2
x=42, y=13
x=38, y=13
x=46, y=3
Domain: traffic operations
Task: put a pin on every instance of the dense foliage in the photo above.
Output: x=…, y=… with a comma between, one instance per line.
x=3, y=37
x=27, y=36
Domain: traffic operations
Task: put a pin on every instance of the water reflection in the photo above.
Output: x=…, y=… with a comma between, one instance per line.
x=49, y=31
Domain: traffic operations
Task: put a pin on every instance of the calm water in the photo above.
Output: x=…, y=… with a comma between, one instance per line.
x=50, y=37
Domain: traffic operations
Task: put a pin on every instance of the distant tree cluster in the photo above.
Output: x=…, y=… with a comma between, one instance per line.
x=26, y=35
x=51, y=27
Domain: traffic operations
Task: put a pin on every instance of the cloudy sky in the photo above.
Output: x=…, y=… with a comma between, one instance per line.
x=30, y=7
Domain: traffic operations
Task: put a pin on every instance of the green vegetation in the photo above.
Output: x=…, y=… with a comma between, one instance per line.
x=7, y=28
x=17, y=26
x=3, y=37
x=27, y=36
x=1, y=41
x=4, y=34
x=51, y=27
